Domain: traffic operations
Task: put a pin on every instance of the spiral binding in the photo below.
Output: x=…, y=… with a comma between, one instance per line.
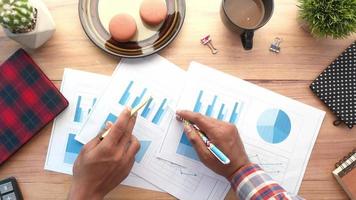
x=344, y=170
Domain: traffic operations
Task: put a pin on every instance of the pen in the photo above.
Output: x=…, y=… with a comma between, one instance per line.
x=133, y=112
x=212, y=148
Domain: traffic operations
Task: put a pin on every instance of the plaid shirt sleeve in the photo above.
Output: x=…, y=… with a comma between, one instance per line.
x=251, y=182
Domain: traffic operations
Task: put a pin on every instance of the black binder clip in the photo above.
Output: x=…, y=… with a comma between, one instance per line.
x=275, y=46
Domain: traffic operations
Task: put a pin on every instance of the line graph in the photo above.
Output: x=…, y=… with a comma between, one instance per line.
x=187, y=173
x=274, y=165
x=255, y=158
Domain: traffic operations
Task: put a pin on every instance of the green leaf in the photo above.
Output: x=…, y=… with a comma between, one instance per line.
x=335, y=18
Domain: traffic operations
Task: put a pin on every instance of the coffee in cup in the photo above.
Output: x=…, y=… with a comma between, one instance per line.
x=245, y=16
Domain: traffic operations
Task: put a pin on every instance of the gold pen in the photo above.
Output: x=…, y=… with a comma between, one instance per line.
x=133, y=112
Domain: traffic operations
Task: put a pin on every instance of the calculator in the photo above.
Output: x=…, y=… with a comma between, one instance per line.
x=9, y=189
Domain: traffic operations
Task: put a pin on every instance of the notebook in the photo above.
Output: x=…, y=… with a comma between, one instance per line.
x=28, y=101
x=335, y=86
x=345, y=174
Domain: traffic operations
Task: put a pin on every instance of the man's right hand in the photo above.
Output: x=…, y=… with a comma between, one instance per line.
x=102, y=165
x=223, y=135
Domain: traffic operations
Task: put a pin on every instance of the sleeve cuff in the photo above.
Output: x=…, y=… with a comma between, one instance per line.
x=242, y=173
x=251, y=182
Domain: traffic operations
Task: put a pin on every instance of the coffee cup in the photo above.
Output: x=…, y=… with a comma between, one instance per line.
x=246, y=16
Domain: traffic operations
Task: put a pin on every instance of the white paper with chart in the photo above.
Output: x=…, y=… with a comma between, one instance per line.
x=82, y=90
x=132, y=82
x=278, y=132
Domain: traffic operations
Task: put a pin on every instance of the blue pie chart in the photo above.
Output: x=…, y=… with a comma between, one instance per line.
x=274, y=126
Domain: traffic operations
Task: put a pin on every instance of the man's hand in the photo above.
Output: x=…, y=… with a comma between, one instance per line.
x=224, y=135
x=102, y=165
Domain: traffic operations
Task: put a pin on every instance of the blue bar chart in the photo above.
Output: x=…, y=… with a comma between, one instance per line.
x=222, y=112
x=143, y=149
x=83, y=107
x=110, y=118
x=139, y=98
x=234, y=114
x=185, y=148
x=125, y=96
x=155, y=109
x=210, y=105
x=158, y=116
x=147, y=109
x=217, y=107
x=72, y=149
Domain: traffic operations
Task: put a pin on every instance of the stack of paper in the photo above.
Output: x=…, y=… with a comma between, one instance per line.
x=286, y=129
x=82, y=90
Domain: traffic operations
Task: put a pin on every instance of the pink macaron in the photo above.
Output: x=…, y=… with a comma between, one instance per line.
x=153, y=12
x=122, y=27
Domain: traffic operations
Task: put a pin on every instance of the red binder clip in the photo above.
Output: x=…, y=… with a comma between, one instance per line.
x=206, y=40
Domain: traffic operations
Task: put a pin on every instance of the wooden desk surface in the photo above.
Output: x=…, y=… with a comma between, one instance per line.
x=302, y=58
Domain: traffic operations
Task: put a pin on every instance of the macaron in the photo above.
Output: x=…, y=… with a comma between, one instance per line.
x=122, y=27
x=153, y=12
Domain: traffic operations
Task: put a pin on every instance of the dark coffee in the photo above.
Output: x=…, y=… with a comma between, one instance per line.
x=247, y=14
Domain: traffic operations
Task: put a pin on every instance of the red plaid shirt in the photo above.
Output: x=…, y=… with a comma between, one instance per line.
x=251, y=182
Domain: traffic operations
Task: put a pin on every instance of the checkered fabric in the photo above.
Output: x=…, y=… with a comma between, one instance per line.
x=28, y=101
x=251, y=182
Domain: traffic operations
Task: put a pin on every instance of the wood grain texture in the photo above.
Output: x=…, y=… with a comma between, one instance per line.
x=302, y=58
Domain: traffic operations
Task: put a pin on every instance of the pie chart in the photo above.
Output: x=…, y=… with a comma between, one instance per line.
x=274, y=126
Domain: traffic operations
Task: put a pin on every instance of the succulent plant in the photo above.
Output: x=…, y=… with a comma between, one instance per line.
x=334, y=18
x=18, y=16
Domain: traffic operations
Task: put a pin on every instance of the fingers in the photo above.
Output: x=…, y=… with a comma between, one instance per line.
x=120, y=127
x=197, y=143
x=204, y=123
x=133, y=148
x=92, y=143
x=95, y=141
x=131, y=124
x=124, y=142
x=128, y=167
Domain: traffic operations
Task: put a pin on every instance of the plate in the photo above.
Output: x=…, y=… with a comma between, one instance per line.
x=96, y=14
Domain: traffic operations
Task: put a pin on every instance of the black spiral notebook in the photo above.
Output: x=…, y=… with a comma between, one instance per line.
x=336, y=87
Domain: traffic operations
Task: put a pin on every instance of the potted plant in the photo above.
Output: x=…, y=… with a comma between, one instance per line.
x=26, y=21
x=328, y=18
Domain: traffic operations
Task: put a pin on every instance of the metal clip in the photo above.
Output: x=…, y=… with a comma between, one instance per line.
x=206, y=40
x=275, y=46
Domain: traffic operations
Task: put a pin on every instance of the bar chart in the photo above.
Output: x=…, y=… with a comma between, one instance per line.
x=72, y=149
x=110, y=118
x=214, y=106
x=143, y=149
x=83, y=107
x=185, y=148
x=155, y=109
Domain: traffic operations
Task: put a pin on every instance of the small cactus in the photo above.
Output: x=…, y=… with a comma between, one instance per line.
x=18, y=16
